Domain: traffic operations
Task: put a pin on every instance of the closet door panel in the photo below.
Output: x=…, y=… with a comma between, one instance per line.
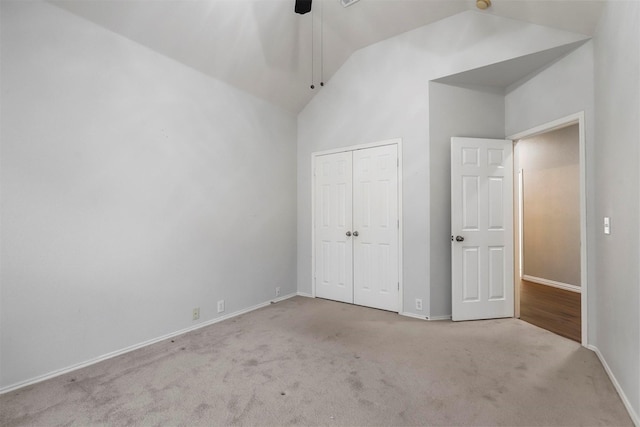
x=333, y=220
x=375, y=221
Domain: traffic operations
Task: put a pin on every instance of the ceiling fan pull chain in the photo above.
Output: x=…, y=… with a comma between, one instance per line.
x=312, y=79
x=321, y=42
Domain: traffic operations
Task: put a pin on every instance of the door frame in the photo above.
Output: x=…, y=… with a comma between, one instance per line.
x=314, y=155
x=577, y=118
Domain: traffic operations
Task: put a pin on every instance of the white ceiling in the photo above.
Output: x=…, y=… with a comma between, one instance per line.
x=264, y=48
x=505, y=73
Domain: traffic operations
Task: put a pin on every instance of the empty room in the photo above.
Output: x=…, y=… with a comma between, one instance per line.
x=327, y=212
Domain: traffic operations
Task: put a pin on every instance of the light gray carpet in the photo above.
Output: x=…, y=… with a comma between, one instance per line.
x=314, y=362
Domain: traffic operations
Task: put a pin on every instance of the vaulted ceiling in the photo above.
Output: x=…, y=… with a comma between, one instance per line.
x=264, y=48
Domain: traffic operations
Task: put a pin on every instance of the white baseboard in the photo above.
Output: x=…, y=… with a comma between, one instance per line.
x=304, y=294
x=280, y=298
x=415, y=316
x=403, y=313
x=616, y=384
x=559, y=285
x=113, y=354
x=447, y=317
x=430, y=318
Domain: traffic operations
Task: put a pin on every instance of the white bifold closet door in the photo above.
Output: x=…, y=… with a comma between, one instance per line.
x=333, y=226
x=356, y=227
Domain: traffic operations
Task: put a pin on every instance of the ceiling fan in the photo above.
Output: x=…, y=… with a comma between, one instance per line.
x=304, y=6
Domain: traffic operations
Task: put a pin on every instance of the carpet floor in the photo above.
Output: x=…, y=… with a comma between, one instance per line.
x=309, y=361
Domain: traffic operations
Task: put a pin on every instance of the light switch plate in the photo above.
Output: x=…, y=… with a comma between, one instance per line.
x=607, y=225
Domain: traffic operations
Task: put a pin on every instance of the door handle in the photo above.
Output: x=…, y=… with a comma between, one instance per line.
x=459, y=239
x=348, y=234
x=355, y=234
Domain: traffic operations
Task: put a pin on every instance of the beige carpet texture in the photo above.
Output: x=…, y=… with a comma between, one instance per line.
x=308, y=361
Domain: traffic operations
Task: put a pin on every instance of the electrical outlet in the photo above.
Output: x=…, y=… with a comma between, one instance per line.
x=196, y=313
x=277, y=291
x=418, y=303
x=220, y=306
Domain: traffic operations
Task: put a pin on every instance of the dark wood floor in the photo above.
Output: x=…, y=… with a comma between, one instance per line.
x=553, y=309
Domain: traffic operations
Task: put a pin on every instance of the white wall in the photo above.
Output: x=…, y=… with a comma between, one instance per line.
x=453, y=111
x=133, y=190
x=602, y=78
x=617, y=150
x=568, y=88
x=382, y=92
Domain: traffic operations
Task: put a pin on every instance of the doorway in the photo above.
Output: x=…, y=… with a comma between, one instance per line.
x=550, y=279
x=356, y=225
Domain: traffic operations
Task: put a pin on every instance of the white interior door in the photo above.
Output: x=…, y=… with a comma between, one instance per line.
x=333, y=221
x=482, y=228
x=375, y=225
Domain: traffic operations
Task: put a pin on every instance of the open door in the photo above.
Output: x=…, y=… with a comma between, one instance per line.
x=482, y=228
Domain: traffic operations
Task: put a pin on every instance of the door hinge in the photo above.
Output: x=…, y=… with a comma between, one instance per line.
x=398, y=223
x=398, y=285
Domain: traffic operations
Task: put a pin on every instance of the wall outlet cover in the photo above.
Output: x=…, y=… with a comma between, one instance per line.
x=220, y=306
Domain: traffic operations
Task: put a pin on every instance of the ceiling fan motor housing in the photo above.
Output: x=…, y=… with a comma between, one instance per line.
x=302, y=6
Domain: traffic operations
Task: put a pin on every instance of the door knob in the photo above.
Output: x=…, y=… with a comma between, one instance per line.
x=355, y=234
x=459, y=239
x=348, y=234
